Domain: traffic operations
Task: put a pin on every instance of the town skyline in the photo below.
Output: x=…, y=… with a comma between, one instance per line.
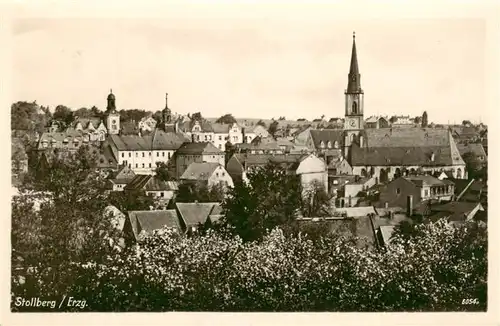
x=205, y=69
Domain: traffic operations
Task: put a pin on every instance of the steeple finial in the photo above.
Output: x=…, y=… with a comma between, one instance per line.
x=111, y=91
x=354, y=34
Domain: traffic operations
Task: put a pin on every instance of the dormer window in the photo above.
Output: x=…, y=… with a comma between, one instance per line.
x=322, y=144
x=329, y=145
x=336, y=144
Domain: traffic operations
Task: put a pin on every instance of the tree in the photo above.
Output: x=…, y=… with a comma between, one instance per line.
x=316, y=202
x=58, y=221
x=64, y=114
x=273, y=128
x=199, y=192
x=271, y=197
x=261, y=123
x=226, y=119
x=425, y=120
x=29, y=117
x=132, y=115
x=196, y=116
x=475, y=168
x=466, y=123
x=418, y=120
x=131, y=200
x=162, y=171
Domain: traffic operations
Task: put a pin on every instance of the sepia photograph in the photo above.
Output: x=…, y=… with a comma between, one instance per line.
x=209, y=160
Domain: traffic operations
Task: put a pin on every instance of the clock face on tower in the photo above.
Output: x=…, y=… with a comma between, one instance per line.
x=352, y=123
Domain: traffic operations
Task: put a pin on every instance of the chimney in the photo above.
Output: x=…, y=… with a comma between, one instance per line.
x=409, y=205
x=244, y=136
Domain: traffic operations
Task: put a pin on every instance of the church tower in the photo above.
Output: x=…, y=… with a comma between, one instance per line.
x=113, y=118
x=354, y=102
x=167, y=124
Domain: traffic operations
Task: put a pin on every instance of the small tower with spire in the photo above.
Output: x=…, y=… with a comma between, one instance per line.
x=112, y=116
x=354, y=101
x=167, y=124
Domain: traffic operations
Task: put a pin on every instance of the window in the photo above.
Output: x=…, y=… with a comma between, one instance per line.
x=136, y=154
x=223, y=174
x=149, y=153
x=213, y=156
x=336, y=144
x=162, y=194
x=123, y=155
x=149, y=164
x=169, y=155
x=354, y=107
x=157, y=154
x=142, y=154
x=398, y=191
x=113, y=127
x=129, y=154
x=142, y=164
x=220, y=137
x=163, y=154
x=220, y=146
x=426, y=193
x=129, y=165
x=136, y=165
x=217, y=174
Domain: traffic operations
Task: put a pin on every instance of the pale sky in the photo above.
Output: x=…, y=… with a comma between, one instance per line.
x=254, y=67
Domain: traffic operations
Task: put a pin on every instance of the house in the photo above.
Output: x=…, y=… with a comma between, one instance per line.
x=340, y=166
x=255, y=131
x=119, y=179
x=466, y=134
x=353, y=191
x=142, y=153
x=210, y=173
x=359, y=229
x=145, y=222
x=197, y=152
x=377, y=122
x=92, y=126
x=391, y=152
x=147, y=124
x=192, y=215
x=69, y=140
x=198, y=130
x=402, y=121
x=456, y=212
x=153, y=186
x=310, y=168
x=260, y=145
x=420, y=188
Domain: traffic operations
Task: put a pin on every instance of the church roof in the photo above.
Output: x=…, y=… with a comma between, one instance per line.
x=326, y=135
x=412, y=146
x=159, y=140
x=198, y=148
x=354, y=83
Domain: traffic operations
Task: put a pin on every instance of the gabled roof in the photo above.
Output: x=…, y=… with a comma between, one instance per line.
x=475, y=148
x=221, y=128
x=85, y=122
x=194, y=213
x=326, y=135
x=158, y=140
x=150, y=183
x=200, y=171
x=149, y=221
x=187, y=126
x=427, y=180
x=123, y=175
x=198, y=148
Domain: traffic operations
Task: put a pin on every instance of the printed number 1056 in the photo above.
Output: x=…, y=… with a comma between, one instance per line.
x=470, y=301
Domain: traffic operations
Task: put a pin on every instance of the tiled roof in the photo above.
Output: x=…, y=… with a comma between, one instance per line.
x=194, y=213
x=326, y=135
x=386, y=232
x=158, y=140
x=221, y=128
x=415, y=154
x=427, y=180
x=129, y=128
x=476, y=148
x=200, y=171
x=406, y=137
x=149, y=221
x=123, y=175
x=263, y=159
x=198, y=148
x=455, y=207
x=106, y=159
x=187, y=126
x=85, y=122
x=56, y=139
x=150, y=183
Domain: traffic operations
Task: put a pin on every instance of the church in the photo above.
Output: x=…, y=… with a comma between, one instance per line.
x=384, y=153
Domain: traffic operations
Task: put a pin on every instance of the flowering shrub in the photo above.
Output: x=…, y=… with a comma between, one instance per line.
x=432, y=271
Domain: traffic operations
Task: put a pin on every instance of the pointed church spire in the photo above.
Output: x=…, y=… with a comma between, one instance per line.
x=354, y=83
x=166, y=100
